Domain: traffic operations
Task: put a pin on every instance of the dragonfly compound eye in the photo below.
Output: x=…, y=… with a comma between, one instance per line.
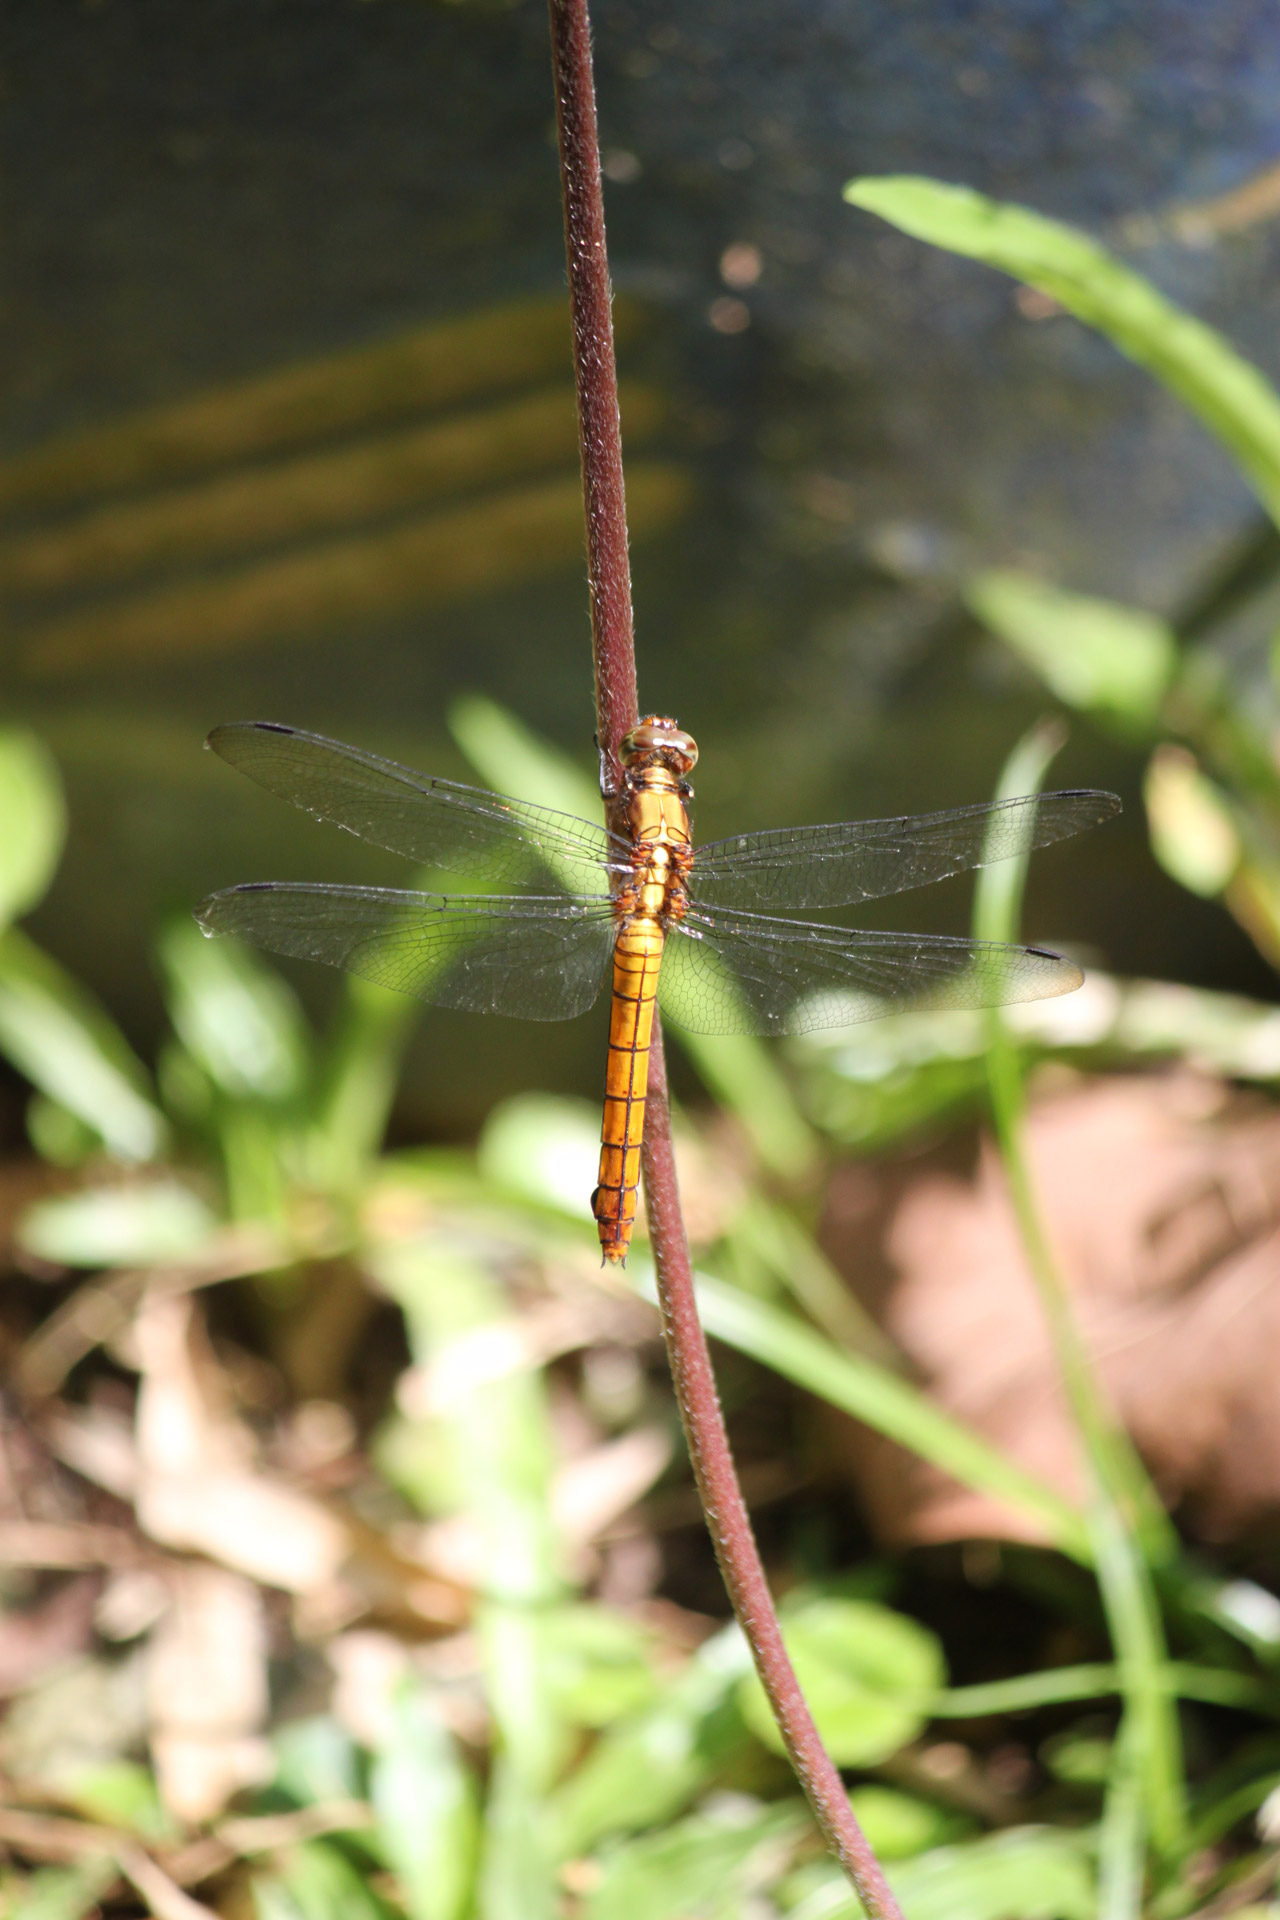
x=657, y=739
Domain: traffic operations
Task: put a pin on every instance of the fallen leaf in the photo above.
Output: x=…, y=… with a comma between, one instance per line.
x=207, y=1691
x=1162, y=1203
x=596, y=1488
x=199, y=1488
x=44, y=1636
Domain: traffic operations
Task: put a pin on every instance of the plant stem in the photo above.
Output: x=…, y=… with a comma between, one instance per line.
x=596, y=376
x=616, y=709
x=726, y=1510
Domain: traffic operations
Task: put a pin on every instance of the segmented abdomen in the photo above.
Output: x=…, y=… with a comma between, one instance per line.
x=637, y=958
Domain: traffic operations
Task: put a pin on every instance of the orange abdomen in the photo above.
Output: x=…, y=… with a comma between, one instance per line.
x=637, y=958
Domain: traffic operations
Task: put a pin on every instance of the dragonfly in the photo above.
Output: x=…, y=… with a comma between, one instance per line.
x=699, y=935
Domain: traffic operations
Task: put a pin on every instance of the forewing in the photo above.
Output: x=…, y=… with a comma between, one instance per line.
x=536, y=959
x=438, y=823
x=741, y=973
x=839, y=865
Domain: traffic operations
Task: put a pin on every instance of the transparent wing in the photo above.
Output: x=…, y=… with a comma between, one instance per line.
x=838, y=865
x=536, y=959
x=743, y=973
x=438, y=823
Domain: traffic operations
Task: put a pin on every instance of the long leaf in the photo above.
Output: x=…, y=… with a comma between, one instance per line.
x=883, y=1400
x=1125, y=1516
x=56, y=1035
x=1229, y=395
x=33, y=821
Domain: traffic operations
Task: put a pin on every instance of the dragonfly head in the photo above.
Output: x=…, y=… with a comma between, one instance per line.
x=655, y=741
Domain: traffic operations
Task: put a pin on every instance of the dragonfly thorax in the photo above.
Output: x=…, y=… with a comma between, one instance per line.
x=657, y=814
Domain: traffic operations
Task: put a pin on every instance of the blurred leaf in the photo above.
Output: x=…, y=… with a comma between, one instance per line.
x=1037, y=1873
x=544, y=1149
x=868, y=1092
x=862, y=1668
x=644, y=1769
x=704, y=1869
x=878, y=1396
x=131, y=1226
x=234, y=1014
x=121, y=1793
x=899, y=1826
x=425, y=1802
x=315, y=1881
x=1082, y=1759
x=770, y=1237
x=186, y=1089
x=1254, y=899
x=1122, y=1837
x=1093, y=654
x=598, y=1663
x=64, y=1893
x=315, y=1761
x=1193, y=830
x=743, y=1076
x=33, y=821
x=1228, y=395
x=512, y=759
x=59, y=1136
x=530, y=1732
x=58, y=1037
x=362, y=1060
x=874, y=1111
x=517, y=1875
x=495, y=1434
x=254, y=1148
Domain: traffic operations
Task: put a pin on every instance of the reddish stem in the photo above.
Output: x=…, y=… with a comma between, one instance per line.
x=596, y=375
x=726, y=1510
x=615, y=671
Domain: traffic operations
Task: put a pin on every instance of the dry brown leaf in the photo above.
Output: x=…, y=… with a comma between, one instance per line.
x=596, y=1488
x=1163, y=1206
x=198, y=1486
x=207, y=1691
x=367, y=1669
x=161, y=1896
x=45, y=1635
x=98, y=1444
x=101, y=1310
x=72, y=1716
x=52, y=1837
x=64, y=1544
x=544, y=1330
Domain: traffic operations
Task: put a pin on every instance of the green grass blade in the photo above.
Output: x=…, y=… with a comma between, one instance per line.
x=1217, y=1686
x=1122, y=1839
x=882, y=1399
x=361, y=1067
x=1124, y=1514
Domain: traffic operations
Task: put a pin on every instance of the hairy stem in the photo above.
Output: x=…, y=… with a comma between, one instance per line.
x=726, y=1510
x=596, y=375
x=616, y=709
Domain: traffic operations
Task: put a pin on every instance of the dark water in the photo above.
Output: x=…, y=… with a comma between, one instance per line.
x=198, y=197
